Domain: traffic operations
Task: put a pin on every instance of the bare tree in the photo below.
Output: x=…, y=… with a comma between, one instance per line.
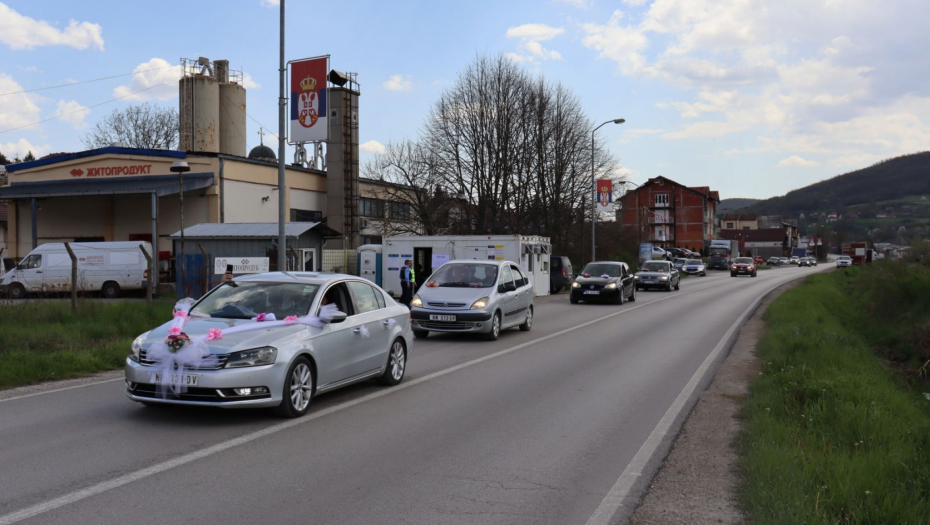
x=140, y=126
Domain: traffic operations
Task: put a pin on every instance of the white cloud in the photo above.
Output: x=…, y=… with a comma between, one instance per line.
x=271, y=3
x=373, y=146
x=795, y=161
x=531, y=36
x=22, y=32
x=248, y=82
x=30, y=69
x=399, y=83
x=635, y=2
x=157, y=77
x=576, y=3
x=72, y=113
x=21, y=147
x=16, y=110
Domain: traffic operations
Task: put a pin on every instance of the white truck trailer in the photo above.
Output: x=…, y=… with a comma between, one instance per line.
x=428, y=253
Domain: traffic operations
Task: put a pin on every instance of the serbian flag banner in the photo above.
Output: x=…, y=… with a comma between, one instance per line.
x=308, y=100
x=605, y=195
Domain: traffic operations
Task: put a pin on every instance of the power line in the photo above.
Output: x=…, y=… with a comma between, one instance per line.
x=84, y=81
x=80, y=110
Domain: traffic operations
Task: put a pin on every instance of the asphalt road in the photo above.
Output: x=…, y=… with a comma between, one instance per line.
x=563, y=425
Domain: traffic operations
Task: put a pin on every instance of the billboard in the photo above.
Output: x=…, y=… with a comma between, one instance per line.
x=605, y=196
x=308, y=100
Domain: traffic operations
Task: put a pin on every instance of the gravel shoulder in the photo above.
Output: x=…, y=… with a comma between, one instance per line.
x=698, y=480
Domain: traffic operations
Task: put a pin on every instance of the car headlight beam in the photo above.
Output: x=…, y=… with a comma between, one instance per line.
x=480, y=303
x=265, y=355
x=611, y=286
x=576, y=285
x=416, y=301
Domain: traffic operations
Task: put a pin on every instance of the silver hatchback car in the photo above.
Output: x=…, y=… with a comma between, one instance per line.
x=289, y=336
x=474, y=296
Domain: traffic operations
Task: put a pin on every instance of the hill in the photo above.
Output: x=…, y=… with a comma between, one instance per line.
x=731, y=205
x=889, y=180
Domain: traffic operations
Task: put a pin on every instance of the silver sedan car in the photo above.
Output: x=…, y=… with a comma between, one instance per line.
x=365, y=335
x=474, y=296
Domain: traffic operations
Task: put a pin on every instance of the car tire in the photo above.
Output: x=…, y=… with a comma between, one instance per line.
x=298, y=404
x=678, y=286
x=732, y=274
x=495, y=328
x=109, y=290
x=572, y=299
x=528, y=323
x=396, y=365
x=17, y=291
x=619, y=299
x=633, y=295
x=669, y=287
x=421, y=334
x=704, y=274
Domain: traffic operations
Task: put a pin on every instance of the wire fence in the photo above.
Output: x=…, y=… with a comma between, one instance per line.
x=340, y=261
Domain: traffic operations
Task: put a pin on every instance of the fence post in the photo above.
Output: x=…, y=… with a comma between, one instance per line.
x=148, y=283
x=73, y=277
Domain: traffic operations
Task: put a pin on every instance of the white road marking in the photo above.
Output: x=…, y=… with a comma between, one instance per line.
x=158, y=468
x=61, y=389
x=621, y=489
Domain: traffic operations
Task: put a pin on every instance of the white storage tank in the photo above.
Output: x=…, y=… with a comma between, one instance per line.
x=232, y=119
x=199, y=120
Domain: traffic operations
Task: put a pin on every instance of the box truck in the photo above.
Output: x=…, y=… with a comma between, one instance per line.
x=429, y=253
x=110, y=268
x=721, y=252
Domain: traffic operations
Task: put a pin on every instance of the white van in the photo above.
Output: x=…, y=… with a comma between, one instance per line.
x=106, y=267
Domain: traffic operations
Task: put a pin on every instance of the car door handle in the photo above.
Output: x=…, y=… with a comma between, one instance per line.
x=357, y=330
x=386, y=323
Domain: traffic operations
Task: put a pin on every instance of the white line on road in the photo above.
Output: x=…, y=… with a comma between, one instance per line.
x=137, y=475
x=621, y=489
x=61, y=389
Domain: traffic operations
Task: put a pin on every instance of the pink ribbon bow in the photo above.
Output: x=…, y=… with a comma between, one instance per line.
x=605, y=276
x=290, y=319
x=174, y=330
x=260, y=317
x=180, y=313
x=214, y=334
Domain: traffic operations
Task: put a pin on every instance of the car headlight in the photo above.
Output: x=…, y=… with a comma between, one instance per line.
x=416, y=301
x=576, y=285
x=636, y=276
x=611, y=286
x=664, y=278
x=136, y=346
x=480, y=303
x=254, y=357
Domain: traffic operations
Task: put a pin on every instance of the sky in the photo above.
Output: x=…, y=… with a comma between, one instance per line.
x=752, y=98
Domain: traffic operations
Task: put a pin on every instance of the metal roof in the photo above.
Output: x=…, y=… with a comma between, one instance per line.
x=158, y=184
x=110, y=150
x=262, y=230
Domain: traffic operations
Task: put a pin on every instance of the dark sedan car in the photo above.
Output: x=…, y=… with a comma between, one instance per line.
x=604, y=281
x=658, y=274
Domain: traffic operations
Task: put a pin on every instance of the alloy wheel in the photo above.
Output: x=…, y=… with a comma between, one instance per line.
x=398, y=361
x=496, y=325
x=301, y=387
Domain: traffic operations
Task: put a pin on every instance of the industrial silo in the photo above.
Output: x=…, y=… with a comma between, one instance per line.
x=232, y=110
x=199, y=120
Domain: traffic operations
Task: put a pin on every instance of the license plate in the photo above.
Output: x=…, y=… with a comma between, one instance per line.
x=592, y=292
x=434, y=317
x=186, y=379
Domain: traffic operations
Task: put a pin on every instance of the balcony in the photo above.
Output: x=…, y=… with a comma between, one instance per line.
x=659, y=222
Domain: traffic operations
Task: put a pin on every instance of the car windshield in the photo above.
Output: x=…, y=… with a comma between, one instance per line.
x=719, y=251
x=598, y=270
x=743, y=260
x=654, y=266
x=465, y=275
x=693, y=262
x=245, y=300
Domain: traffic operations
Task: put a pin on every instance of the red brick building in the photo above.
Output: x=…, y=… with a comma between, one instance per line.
x=669, y=214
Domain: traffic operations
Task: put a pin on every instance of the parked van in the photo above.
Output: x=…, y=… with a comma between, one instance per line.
x=560, y=273
x=107, y=267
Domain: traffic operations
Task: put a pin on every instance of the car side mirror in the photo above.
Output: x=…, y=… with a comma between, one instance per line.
x=338, y=317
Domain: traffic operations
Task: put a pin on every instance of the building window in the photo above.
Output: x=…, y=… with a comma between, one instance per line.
x=730, y=226
x=745, y=227
x=400, y=211
x=306, y=216
x=369, y=239
x=370, y=207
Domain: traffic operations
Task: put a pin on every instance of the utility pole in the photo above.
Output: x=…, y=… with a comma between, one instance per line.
x=282, y=195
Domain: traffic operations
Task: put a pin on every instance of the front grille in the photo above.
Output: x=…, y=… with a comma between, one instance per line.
x=192, y=393
x=440, y=325
x=221, y=361
x=592, y=287
x=446, y=305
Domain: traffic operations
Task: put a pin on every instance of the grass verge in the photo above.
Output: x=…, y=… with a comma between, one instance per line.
x=44, y=340
x=833, y=434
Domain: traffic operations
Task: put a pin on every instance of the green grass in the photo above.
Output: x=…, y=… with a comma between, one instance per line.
x=43, y=340
x=833, y=434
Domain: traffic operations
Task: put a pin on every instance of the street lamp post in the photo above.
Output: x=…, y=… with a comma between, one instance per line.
x=594, y=184
x=180, y=167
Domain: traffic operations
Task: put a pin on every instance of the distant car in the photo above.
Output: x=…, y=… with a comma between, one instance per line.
x=679, y=263
x=759, y=260
x=843, y=261
x=659, y=253
x=794, y=260
x=658, y=274
x=805, y=261
x=813, y=261
x=482, y=297
x=695, y=267
x=743, y=266
x=773, y=261
x=682, y=253
x=608, y=280
x=560, y=273
x=784, y=261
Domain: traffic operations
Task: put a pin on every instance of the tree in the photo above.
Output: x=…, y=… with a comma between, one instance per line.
x=29, y=157
x=140, y=126
x=3, y=160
